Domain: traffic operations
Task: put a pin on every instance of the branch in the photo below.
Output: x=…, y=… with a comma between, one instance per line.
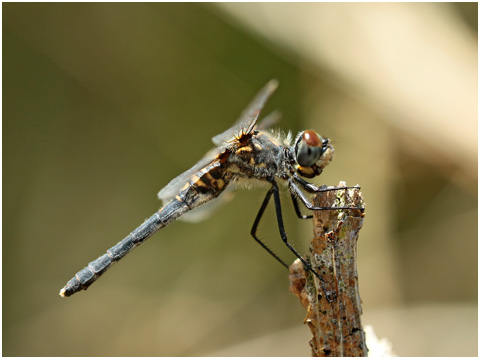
x=333, y=304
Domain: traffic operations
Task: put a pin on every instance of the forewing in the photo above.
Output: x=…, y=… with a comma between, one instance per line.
x=175, y=185
x=244, y=124
x=249, y=116
x=268, y=121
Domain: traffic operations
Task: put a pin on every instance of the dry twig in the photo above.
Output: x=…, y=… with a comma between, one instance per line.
x=333, y=304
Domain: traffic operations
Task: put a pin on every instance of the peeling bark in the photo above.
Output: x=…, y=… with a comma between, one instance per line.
x=333, y=304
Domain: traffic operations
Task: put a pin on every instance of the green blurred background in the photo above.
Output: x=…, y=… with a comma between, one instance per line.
x=103, y=104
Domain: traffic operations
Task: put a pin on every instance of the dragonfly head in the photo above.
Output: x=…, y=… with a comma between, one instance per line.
x=312, y=153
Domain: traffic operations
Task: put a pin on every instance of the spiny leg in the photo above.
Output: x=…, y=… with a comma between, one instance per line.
x=297, y=208
x=253, y=232
x=308, y=204
x=314, y=189
x=283, y=235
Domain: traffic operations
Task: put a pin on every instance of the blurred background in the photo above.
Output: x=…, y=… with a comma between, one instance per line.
x=103, y=104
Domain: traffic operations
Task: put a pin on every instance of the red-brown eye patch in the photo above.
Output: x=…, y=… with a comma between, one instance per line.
x=312, y=139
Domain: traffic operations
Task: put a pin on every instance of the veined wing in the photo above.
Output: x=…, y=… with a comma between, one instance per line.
x=269, y=120
x=173, y=188
x=244, y=124
x=247, y=120
x=249, y=115
x=175, y=185
x=207, y=168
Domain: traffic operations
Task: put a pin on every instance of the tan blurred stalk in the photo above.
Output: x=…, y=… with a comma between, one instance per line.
x=414, y=62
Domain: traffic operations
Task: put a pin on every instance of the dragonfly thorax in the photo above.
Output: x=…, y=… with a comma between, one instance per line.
x=258, y=156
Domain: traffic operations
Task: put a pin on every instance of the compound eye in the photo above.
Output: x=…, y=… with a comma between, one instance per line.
x=311, y=138
x=309, y=149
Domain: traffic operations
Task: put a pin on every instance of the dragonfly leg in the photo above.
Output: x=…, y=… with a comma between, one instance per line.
x=297, y=208
x=283, y=234
x=314, y=189
x=309, y=205
x=253, y=232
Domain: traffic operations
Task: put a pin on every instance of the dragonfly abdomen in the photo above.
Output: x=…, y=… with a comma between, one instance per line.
x=205, y=185
x=164, y=216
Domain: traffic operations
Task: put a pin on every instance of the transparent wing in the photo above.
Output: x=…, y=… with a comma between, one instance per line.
x=268, y=121
x=197, y=214
x=247, y=120
x=175, y=185
x=244, y=124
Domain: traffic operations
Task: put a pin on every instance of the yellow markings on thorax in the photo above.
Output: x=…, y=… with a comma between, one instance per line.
x=273, y=140
x=245, y=153
x=258, y=146
x=243, y=149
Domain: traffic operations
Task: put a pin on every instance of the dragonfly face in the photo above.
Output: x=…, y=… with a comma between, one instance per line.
x=312, y=153
x=244, y=152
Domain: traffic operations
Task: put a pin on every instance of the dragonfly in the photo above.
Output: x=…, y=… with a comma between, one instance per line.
x=247, y=151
